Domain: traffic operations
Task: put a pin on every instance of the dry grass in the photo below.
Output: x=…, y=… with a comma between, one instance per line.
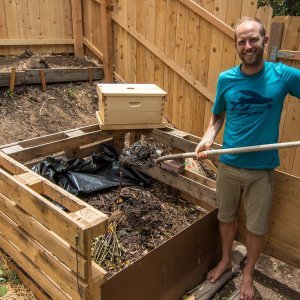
x=15, y=289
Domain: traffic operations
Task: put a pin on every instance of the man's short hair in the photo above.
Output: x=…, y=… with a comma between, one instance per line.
x=262, y=29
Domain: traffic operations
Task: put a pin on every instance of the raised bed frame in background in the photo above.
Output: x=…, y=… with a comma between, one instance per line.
x=166, y=272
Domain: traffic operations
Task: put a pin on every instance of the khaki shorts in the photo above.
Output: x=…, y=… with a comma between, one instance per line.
x=255, y=187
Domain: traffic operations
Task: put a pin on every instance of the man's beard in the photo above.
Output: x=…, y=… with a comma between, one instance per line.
x=258, y=58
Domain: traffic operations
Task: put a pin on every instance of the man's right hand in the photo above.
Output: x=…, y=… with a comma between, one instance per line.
x=203, y=145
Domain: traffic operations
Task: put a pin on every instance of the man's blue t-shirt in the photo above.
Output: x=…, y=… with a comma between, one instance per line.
x=253, y=105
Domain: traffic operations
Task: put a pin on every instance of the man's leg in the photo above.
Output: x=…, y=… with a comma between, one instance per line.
x=227, y=231
x=254, y=244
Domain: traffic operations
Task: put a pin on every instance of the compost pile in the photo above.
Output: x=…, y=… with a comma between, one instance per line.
x=143, y=153
x=140, y=219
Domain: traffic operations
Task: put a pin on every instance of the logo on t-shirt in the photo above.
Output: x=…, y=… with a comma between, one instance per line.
x=251, y=103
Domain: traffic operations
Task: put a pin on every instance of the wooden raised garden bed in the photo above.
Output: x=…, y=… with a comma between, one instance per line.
x=53, y=246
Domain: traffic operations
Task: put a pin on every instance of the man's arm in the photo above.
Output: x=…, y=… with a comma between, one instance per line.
x=214, y=126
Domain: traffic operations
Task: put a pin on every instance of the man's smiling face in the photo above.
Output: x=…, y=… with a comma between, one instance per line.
x=250, y=44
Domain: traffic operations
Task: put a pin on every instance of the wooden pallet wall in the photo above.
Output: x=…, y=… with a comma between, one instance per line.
x=44, y=26
x=182, y=46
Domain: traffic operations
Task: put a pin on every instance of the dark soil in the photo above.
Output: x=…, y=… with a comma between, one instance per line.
x=140, y=219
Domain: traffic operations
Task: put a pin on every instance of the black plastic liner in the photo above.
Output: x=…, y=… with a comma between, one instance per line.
x=96, y=173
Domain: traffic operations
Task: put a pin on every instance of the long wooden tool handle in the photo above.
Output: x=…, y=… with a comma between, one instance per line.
x=232, y=150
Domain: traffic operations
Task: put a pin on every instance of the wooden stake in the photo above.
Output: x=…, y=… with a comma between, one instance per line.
x=90, y=75
x=12, y=79
x=43, y=79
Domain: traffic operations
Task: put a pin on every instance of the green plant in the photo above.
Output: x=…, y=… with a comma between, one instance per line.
x=282, y=7
x=3, y=288
x=71, y=91
x=9, y=94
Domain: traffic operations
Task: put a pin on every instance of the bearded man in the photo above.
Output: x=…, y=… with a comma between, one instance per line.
x=251, y=97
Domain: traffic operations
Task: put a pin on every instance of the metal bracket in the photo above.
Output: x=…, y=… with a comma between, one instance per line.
x=283, y=54
x=274, y=53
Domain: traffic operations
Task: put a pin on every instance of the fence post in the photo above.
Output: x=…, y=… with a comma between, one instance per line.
x=77, y=28
x=275, y=34
x=106, y=27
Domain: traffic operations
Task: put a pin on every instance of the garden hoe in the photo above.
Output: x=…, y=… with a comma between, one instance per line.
x=230, y=150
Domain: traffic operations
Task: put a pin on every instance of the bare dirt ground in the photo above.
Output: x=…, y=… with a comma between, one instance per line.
x=29, y=112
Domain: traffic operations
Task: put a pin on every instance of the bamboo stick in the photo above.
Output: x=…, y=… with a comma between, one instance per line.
x=232, y=150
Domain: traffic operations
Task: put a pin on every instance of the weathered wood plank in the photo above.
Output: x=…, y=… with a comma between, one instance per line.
x=58, y=145
x=50, y=241
x=182, y=183
x=51, y=76
x=43, y=210
x=43, y=259
x=42, y=280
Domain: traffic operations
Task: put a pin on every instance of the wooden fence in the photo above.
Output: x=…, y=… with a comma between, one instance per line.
x=43, y=26
x=181, y=45
x=285, y=47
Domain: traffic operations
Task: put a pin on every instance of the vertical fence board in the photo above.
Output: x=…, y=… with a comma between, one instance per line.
x=132, y=44
x=23, y=19
x=290, y=125
x=198, y=110
x=234, y=8
x=141, y=51
x=215, y=58
x=12, y=21
x=150, y=36
x=169, y=49
x=159, y=40
x=180, y=51
x=3, y=27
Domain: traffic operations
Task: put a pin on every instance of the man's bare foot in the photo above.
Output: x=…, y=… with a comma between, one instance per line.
x=214, y=274
x=247, y=288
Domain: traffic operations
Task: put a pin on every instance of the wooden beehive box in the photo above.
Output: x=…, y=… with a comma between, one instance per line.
x=130, y=106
